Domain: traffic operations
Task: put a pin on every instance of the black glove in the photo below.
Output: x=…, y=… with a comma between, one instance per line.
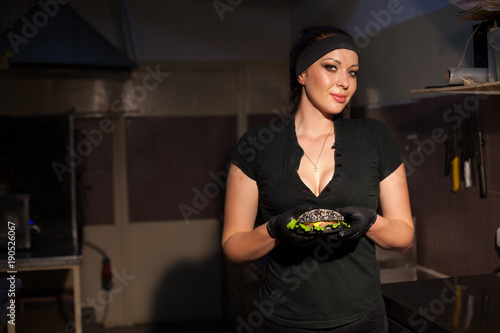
x=277, y=227
x=359, y=218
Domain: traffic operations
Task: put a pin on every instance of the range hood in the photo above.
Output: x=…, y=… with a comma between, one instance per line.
x=54, y=35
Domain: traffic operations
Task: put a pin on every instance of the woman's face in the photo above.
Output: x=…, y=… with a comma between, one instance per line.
x=330, y=83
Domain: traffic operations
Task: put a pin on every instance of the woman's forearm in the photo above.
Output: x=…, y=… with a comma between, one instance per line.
x=394, y=230
x=246, y=246
x=392, y=234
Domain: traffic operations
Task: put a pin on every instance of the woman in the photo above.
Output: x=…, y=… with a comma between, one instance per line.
x=318, y=159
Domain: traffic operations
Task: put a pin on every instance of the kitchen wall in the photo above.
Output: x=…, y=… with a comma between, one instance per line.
x=168, y=167
x=153, y=176
x=454, y=230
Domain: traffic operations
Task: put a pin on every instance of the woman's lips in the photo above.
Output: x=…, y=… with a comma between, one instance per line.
x=339, y=97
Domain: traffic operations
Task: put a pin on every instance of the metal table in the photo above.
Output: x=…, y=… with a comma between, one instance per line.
x=49, y=255
x=457, y=304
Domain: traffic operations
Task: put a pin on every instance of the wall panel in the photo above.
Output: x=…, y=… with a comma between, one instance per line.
x=177, y=166
x=454, y=230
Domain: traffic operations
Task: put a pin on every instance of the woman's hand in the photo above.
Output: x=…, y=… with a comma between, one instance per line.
x=360, y=220
x=277, y=227
x=394, y=229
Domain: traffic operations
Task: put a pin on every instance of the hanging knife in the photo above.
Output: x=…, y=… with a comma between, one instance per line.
x=455, y=165
x=480, y=158
x=468, y=151
x=480, y=166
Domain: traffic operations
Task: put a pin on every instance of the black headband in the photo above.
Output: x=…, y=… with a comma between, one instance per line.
x=322, y=47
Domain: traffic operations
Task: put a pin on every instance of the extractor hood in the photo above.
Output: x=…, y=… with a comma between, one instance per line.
x=54, y=35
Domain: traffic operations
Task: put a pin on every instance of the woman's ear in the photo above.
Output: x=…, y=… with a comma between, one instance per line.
x=300, y=78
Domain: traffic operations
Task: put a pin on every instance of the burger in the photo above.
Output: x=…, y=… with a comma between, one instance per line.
x=318, y=221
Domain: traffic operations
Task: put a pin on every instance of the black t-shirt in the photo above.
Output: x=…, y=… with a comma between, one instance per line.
x=323, y=285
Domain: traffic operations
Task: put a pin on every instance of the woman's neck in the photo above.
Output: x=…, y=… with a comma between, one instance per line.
x=312, y=123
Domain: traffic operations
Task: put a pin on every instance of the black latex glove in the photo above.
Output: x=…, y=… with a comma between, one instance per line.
x=278, y=230
x=359, y=218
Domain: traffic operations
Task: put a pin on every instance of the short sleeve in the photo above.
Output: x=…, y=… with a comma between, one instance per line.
x=387, y=148
x=244, y=155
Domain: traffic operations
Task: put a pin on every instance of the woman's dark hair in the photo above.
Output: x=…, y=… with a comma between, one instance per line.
x=306, y=38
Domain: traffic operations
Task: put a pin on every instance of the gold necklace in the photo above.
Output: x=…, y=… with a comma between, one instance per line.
x=315, y=164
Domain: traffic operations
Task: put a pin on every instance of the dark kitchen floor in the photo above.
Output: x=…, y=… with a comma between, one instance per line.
x=49, y=319
x=52, y=326
x=45, y=317
x=165, y=328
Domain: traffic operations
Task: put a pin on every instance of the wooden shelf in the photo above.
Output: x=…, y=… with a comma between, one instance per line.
x=479, y=16
x=488, y=88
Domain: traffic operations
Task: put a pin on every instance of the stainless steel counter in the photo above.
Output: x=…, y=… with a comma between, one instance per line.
x=45, y=253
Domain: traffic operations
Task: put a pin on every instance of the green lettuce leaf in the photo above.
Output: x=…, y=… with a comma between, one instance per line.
x=292, y=224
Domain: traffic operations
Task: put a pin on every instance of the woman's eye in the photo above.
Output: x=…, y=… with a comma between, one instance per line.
x=330, y=67
x=353, y=73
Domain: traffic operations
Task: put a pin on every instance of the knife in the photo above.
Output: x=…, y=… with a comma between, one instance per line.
x=480, y=158
x=468, y=151
x=455, y=165
x=481, y=169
